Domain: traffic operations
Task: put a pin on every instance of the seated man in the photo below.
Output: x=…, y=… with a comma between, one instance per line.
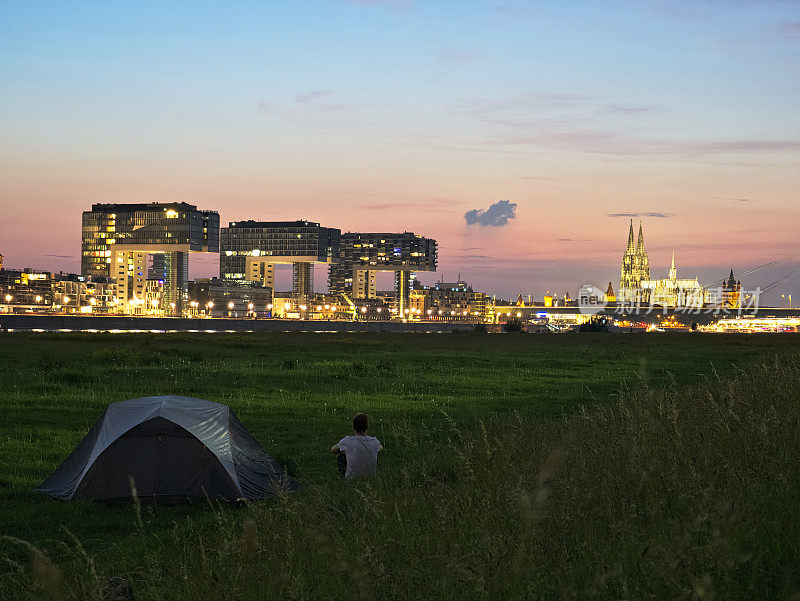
x=358, y=455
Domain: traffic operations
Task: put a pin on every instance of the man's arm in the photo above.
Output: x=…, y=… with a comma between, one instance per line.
x=335, y=449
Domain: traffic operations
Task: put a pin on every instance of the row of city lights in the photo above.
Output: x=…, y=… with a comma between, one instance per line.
x=140, y=301
x=38, y=299
x=250, y=306
x=287, y=306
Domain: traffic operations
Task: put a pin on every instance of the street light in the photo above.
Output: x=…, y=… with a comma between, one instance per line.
x=230, y=305
x=38, y=299
x=9, y=298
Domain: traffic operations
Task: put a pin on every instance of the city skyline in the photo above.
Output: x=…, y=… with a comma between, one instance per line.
x=361, y=115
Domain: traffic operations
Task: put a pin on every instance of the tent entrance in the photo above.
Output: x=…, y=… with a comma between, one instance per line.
x=164, y=460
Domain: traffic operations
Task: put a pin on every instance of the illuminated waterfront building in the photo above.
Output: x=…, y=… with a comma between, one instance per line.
x=26, y=289
x=118, y=238
x=230, y=298
x=74, y=293
x=249, y=251
x=153, y=297
x=453, y=301
x=32, y=291
x=361, y=255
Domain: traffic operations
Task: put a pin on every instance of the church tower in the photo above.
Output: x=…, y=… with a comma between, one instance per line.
x=635, y=268
x=732, y=292
x=610, y=296
x=627, y=282
x=642, y=262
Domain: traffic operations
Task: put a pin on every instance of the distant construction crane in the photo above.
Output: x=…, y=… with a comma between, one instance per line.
x=353, y=307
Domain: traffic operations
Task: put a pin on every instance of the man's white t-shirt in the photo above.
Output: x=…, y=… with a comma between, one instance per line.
x=362, y=454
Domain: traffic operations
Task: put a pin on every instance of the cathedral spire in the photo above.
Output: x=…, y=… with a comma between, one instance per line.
x=673, y=275
x=640, y=242
x=631, y=247
x=641, y=261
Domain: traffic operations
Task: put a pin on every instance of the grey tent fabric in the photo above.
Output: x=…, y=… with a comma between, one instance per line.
x=171, y=446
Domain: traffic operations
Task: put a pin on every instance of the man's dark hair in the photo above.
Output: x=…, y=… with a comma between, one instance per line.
x=360, y=423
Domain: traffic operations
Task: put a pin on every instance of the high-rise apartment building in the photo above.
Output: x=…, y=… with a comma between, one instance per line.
x=117, y=239
x=249, y=251
x=361, y=255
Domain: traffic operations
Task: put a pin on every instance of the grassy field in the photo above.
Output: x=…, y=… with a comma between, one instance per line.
x=477, y=429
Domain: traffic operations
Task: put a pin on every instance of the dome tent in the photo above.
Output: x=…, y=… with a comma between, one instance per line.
x=169, y=447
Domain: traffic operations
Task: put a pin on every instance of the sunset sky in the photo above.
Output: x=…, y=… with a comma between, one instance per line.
x=405, y=115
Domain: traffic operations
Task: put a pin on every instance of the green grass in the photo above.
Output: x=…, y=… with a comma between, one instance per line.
x=465, y=504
